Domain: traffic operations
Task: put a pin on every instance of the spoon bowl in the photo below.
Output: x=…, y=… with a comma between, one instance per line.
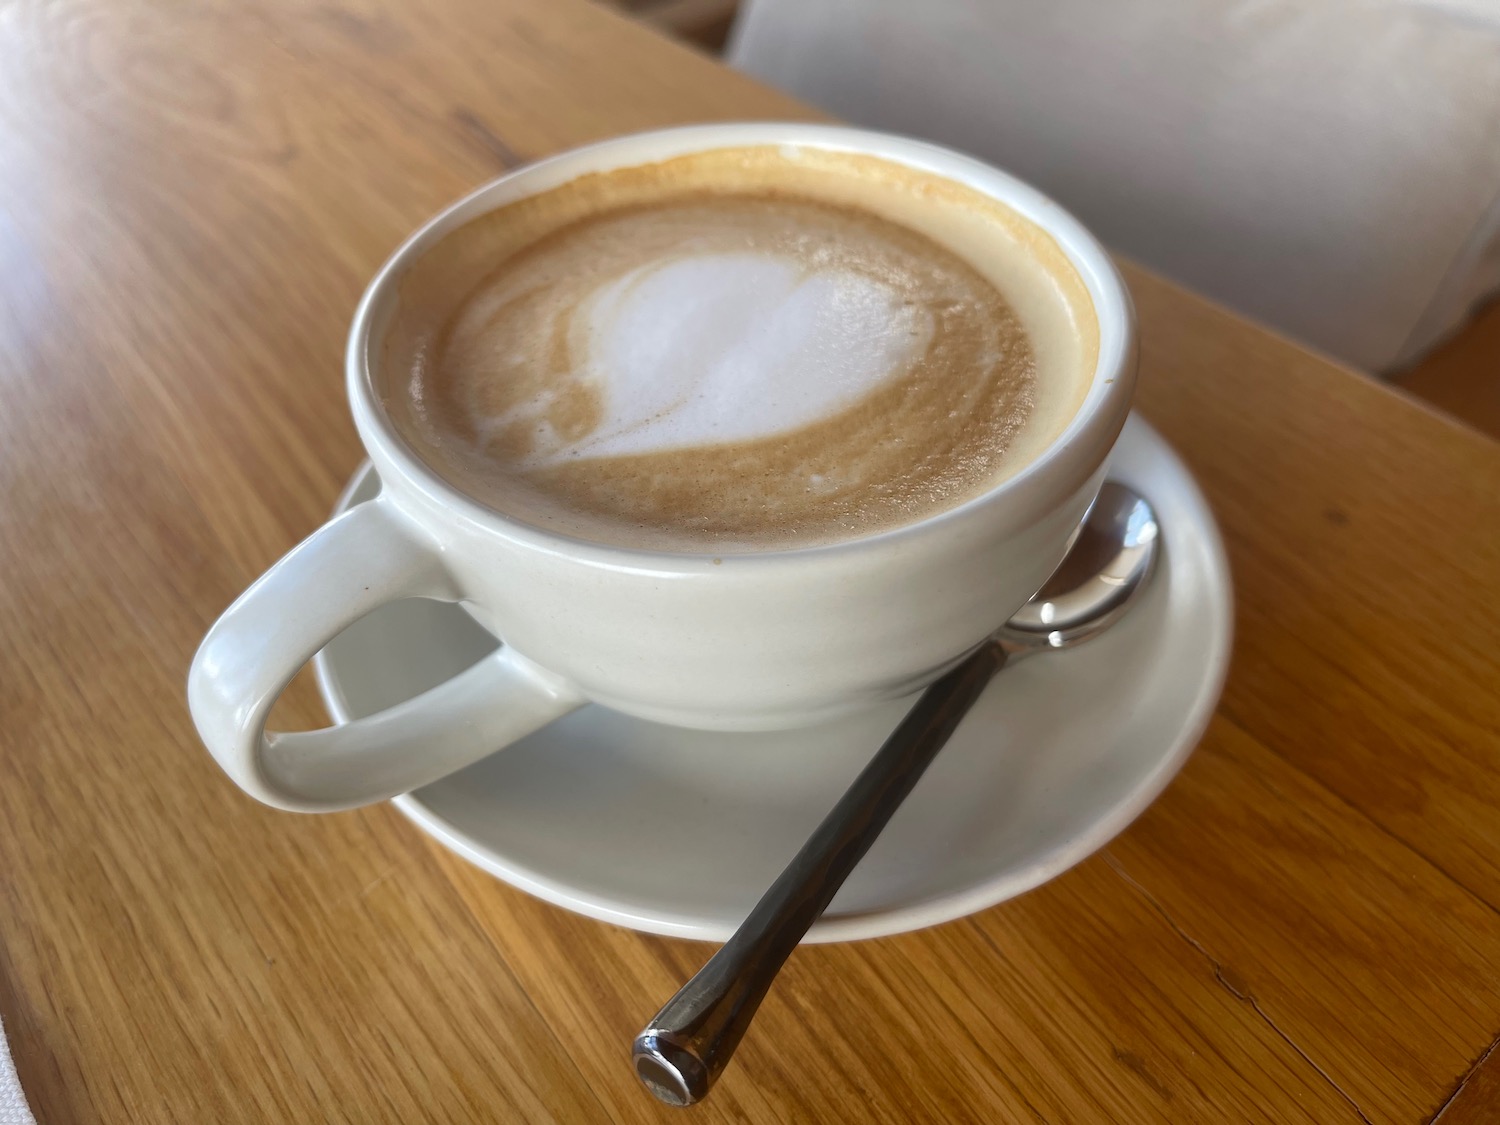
x=1112, y=559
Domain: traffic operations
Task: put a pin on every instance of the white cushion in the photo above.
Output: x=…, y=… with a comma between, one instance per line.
x=1331, y=168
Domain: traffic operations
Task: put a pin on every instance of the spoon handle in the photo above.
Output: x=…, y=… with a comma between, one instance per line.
x=690, y=1040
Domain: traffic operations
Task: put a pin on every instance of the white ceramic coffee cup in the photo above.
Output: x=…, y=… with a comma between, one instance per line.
x=761, y=640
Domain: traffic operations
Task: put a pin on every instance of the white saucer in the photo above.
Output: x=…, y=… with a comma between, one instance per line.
x=679, y=832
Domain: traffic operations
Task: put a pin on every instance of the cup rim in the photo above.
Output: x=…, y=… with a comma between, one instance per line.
x=1103, y=408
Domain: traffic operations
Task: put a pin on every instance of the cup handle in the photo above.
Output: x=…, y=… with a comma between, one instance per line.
x=359, y=561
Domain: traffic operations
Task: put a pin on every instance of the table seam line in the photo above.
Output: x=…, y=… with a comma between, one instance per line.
x=1463, y=1081
x=1219, y=977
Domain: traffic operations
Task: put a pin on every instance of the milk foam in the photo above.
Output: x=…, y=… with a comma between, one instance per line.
x=709, y=349
x=737, y=350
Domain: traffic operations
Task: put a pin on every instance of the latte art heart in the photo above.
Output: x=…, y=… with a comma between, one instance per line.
x=734, y=350
x=715, y=349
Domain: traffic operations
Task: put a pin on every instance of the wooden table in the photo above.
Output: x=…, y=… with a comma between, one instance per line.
x=1303, y=929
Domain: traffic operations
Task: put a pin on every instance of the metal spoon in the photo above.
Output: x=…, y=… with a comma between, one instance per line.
x=685, y=1047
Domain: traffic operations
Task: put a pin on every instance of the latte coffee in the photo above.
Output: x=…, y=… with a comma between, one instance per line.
x=741, y=349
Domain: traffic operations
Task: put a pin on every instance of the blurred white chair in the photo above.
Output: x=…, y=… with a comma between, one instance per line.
x=1330, y=167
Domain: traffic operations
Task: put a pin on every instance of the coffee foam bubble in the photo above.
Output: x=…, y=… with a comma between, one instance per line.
x=726, y=351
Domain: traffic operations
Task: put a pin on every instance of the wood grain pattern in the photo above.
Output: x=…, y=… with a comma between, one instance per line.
x=1363, y=534
x=1304, y=928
